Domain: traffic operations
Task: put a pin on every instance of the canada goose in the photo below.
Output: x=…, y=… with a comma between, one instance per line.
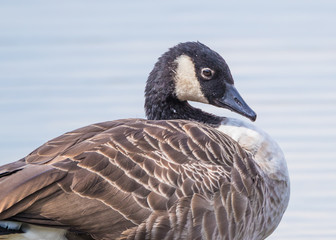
x=181, y=174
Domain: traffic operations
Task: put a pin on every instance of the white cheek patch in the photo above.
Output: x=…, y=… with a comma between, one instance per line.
x=187, y=86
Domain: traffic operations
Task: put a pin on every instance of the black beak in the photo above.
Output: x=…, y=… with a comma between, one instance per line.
x=233, y=101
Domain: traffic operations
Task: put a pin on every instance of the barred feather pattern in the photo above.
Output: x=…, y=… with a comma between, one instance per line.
x=142, y=179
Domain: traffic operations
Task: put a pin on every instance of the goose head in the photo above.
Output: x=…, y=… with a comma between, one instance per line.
x=192, y=71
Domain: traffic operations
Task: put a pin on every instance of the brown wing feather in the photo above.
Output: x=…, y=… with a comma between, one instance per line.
x=159, y=179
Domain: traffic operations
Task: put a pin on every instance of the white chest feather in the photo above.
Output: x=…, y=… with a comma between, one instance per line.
x=265, y=151
x=33, y=232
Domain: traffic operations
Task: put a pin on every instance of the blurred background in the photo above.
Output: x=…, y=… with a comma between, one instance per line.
x=66, y=64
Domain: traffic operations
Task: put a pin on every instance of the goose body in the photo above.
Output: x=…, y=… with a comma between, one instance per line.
x=180, y=174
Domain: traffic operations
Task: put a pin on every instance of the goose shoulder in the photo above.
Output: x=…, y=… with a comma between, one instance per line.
x=137, y=168
x=264, y=149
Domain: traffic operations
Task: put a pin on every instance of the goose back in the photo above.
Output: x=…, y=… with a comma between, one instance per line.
x=146, y=179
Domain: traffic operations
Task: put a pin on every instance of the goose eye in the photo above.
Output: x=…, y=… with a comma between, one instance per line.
x=207, y=73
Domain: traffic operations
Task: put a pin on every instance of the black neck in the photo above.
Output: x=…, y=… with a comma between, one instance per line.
x=175, y=109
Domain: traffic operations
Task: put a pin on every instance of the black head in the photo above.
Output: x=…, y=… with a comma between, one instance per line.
x=192, y=71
